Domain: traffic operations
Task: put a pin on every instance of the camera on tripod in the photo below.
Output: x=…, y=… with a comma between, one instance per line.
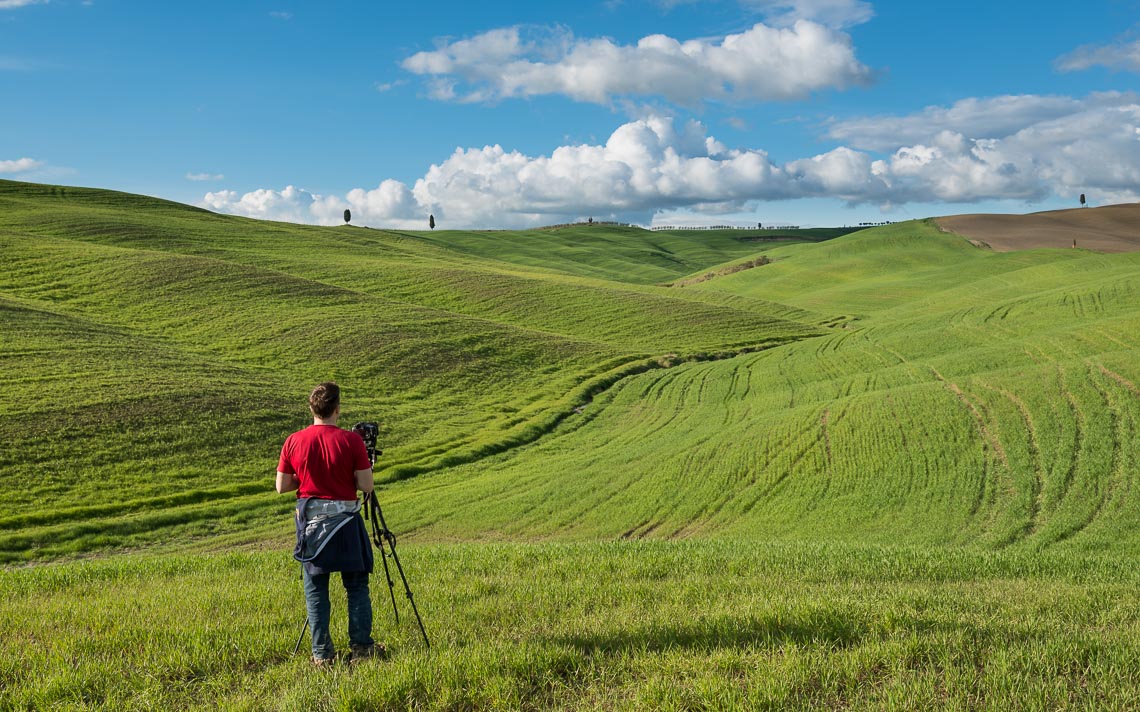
x=369, y=432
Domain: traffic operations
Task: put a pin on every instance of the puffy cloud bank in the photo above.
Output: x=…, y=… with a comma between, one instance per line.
x=762, y=63
x=1026, y=148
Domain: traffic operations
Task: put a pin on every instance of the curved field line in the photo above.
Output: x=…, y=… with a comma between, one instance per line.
x=825, y=421
x=988, y=436
x=768, y=492
x=826, y=439
x=1079, y=425
x=1119, y=436
x=915, y=369
x=1129, y=385
x=1080, y=526
x=1108, y=335
x=902, y=434
x=989, y=442
x=1035, y=454
x=788, y=380
x=707, y=514
x=1116, y=470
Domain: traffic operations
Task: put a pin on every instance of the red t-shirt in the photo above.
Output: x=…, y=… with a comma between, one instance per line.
x=325, y=459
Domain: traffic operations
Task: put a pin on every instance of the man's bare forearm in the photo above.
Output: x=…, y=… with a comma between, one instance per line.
x=287, y=483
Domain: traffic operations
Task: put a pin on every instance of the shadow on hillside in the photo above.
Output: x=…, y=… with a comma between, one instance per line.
x=724, y=632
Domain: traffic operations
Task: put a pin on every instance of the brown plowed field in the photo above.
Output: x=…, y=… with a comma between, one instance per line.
x=1112, y=228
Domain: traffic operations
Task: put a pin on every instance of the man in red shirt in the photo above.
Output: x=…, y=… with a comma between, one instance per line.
x=326, y=465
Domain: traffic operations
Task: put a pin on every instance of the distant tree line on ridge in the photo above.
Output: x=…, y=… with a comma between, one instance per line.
x=724, y=227
x=591, y=222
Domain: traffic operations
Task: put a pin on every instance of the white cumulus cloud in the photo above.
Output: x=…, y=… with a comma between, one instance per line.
x=289, y=205
x=20, y=165
x=1026, y=147
x=763, y=63
x=388, y=205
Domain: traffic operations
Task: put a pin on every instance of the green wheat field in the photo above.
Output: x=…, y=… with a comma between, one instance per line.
x=627, y=470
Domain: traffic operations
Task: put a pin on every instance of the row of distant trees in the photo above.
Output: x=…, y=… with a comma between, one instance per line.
x=759, y=226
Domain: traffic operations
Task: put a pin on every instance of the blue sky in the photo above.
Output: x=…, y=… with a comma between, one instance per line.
x=502, y=114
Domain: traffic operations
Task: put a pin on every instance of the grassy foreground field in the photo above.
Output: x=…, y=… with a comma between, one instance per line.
x=887, y=470
x=604, y=626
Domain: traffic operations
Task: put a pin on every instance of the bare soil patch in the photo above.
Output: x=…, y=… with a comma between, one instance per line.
x=1112, y=228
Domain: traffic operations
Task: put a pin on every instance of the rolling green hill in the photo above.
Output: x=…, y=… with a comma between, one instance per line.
x=973, y=398
x=459, y=354
x=164, y=351
x=883, y=470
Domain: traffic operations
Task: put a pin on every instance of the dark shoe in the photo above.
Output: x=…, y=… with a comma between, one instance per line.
x=363, y=652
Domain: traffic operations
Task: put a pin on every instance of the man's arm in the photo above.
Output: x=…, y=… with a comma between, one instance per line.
x=289, y=483
x=363, y=480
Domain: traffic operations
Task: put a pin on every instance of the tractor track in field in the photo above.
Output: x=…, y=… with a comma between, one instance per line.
x=768, y=490
x=989, y=439
x=897, y=420
x=1038, y=487
x=640, y=531
x=825, y=423
x=1108, y=335
x=1082, y=426
x=1115, y=475
x=1079, y=426
x=991, y=446
x=709, y=513
x=826, y=438
x=1128, y=385
x=1119, y=482
x=545, y=423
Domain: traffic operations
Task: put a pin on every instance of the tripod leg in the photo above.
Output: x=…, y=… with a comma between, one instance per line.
x=301, y=637
x=408, y=592
x=381, y=534
x=391, y=583
x=306, y=626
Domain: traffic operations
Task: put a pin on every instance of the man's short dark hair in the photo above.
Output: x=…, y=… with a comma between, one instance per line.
x=324, y=399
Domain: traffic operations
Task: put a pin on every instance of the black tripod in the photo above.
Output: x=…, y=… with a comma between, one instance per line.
x=380, y=536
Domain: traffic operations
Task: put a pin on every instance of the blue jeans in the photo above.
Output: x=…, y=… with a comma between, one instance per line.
x=359, y=610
